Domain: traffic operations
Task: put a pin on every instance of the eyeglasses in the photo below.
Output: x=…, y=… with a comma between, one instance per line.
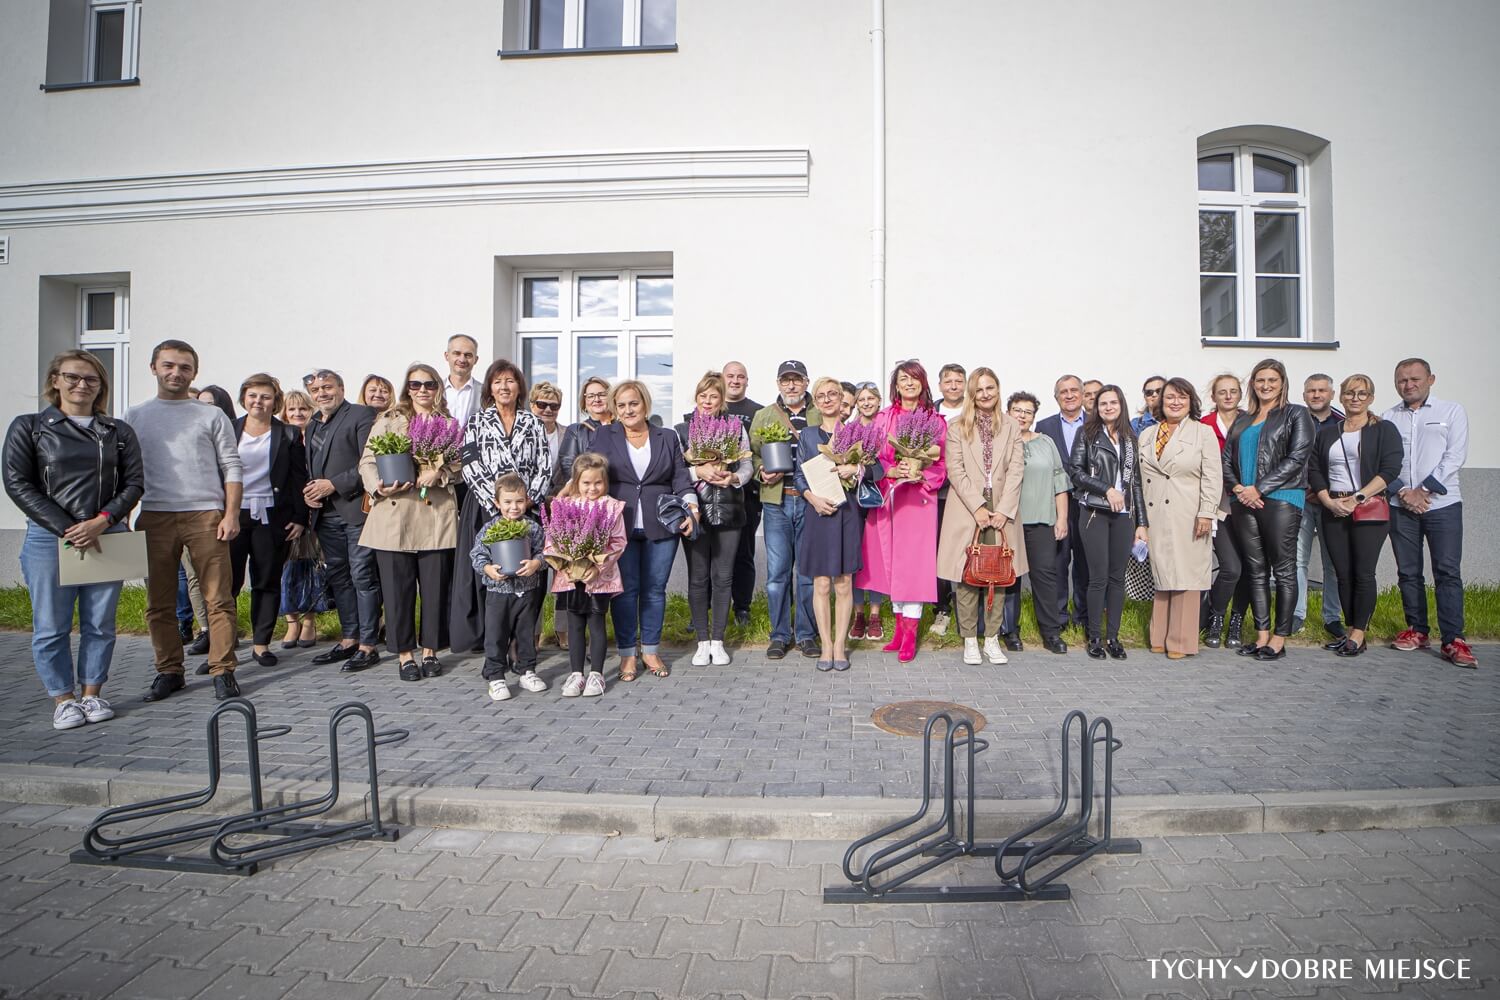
x=1358, y=394
x=537, y=404
x=92, y=381
x=417, y=384
x=312, y=377
x=595, y=396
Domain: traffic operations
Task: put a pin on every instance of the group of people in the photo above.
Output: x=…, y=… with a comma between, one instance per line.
x=290, y=498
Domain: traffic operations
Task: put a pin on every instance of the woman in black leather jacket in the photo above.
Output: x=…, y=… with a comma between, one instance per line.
x=1265, y=467
x=1106, y=475
x=75, y=472
x=579, y=438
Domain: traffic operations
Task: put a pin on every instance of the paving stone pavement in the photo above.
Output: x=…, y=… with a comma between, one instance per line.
x=1213, y=724
x=455, y=913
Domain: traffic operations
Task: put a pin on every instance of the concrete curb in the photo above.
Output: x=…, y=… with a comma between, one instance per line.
x=760, y=818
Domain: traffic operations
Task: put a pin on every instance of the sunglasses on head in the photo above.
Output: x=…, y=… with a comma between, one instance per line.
x=312, y=377
x=415, y=384
x=862, y=386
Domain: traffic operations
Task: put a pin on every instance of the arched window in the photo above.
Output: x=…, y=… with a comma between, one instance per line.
x=1253, y=250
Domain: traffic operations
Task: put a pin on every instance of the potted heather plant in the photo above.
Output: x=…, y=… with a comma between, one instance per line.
x=435, y=441
x=853, y=443
x=508, y=544
x=915, y=440
x=393, y=461
x=578, y=532
x=775, y=447
x=713, y=442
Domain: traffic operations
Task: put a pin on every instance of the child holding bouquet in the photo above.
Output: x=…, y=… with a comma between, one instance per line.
x=584, y=538
x=508, y=620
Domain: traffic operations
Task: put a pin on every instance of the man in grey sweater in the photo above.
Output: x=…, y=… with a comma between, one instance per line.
x=192, y=501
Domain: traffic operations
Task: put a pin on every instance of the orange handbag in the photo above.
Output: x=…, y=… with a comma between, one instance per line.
x=989, y=566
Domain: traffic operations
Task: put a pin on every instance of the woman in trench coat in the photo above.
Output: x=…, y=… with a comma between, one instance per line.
x=1182, y=480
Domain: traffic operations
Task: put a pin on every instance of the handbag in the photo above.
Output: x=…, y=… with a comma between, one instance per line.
x=989, y=566
x=1376, y=509
x=1140, y=584
x=867, y=495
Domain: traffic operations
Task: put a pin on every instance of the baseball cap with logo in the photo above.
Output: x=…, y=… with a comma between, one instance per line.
x=791, y=368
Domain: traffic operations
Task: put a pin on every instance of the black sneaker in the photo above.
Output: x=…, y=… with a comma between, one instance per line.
x=776, y=650
x=163, y=686
x=200, y=644
x=1013, y=642
x=812, y=649
x=225, y=686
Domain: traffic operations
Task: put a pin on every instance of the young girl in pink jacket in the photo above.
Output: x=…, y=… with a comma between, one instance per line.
x=586, y=601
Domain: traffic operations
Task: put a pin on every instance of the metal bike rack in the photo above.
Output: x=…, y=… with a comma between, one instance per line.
x=943, y=839
x=302, y=839
x=145, y=850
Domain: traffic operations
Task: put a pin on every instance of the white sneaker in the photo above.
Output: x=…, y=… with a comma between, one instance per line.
x=573, y=686
x=993, y=651
x=940, y=625
x=971, y=651
x=717, y=654
x=68, y=715
x=700, y=658
x=594, y=686
x=500, y=690
x=531, y=682
x=96, y=709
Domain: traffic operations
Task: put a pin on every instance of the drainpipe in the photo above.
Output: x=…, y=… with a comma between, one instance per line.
x=877, y=216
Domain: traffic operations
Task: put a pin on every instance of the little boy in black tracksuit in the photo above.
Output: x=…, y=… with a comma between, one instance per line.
x=507, y=604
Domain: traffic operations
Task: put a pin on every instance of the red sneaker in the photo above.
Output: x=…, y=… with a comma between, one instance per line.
x=1410, y=639
x=1458, y=653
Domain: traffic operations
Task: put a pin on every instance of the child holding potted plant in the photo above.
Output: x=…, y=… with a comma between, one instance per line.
x=507, y=555
x=584, y=538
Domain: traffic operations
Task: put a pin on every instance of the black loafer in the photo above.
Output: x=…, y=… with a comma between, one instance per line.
x=776, y=650
x=1096, y=649
x=812, y=649
x=1336, y=645
x=1350, y=649
x=266, y=659
x=360, y=661
x=431, y=667
x=225, y=686
x=203, y=669
x=163, y=686
x=410, y=671
x=200, y=644
x=1055, y=645
x=1267, y=653
x=1250, y=649
x=1115, y=649
x=334, y=654
x=1013, y=642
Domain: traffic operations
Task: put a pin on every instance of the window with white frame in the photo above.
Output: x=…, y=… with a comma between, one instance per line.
x=104, y=331
x=113, y=29
x=1252, y=244
x=551, y=25
x=572, y=325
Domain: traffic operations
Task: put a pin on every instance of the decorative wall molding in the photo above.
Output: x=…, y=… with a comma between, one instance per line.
x=615, y=176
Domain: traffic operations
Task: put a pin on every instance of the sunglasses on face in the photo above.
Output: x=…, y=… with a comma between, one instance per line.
x=538, y=404
x=312, y=377
x=1153, y=392
x=418, y=384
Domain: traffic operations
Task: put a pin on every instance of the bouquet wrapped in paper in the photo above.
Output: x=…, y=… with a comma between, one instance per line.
x=435, y=441
x=916, y=437
x=578, y=530
x=853, y=443
x=713, y=442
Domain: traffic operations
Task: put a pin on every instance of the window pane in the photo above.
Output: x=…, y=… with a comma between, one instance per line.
x=101, y=311
x=598, y=356
x=1278, y=308
x=106, y=356
x=1276, y=243
x=1216, y=298
x=653, y=366
x=602, y=22
x=1216, y=242
x=1216, y=173
x=546, y=24
x=598, y=296
x=658, y=22
x=109, y=44
x=539, y=360
x=653, y=296
x=539, y=298
x=1275, y=176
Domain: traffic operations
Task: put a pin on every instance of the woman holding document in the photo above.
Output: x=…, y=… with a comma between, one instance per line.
x=76, y=473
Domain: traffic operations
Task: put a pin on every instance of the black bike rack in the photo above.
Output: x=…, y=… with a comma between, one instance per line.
x=941, y=842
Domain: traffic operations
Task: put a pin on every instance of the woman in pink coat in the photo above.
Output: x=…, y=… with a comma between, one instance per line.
x=900, y=543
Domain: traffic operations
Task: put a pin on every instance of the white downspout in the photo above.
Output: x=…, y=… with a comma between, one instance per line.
x=877, y=217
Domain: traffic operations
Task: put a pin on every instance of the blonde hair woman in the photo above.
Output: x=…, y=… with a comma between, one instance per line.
x=302, y=579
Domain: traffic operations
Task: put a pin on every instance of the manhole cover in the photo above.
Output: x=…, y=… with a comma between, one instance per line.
x=909, y=718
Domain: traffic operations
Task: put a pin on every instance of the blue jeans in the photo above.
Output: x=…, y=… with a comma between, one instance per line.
x=1443, y=530
x=782, y=525
x=184, y=600
x=1312, y=524
x=639, y=608
x=52, y=618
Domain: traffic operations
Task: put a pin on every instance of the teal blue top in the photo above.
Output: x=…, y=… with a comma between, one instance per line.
x=1249, y=445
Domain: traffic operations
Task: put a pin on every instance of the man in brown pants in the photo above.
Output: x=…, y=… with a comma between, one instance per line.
x=192, y=502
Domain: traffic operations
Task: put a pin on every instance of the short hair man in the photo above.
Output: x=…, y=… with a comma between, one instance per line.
x=1429, y=507
x=951, y=384
x=785, y=513
x=461, y=391
x=738, y=404
x=1317, y=395
x=1062, y=427
x=194, y=485
x=1151, y=403
x=1090, y=390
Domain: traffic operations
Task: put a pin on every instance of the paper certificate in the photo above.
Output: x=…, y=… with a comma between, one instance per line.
x=121, y=556
x=823, y=479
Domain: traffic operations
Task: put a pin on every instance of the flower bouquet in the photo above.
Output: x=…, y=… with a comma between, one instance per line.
x=393, y=461
x=578, y=532
x=713, y=442
x=916, y=438
x=775, y=447
x=853, y=443
x=435, y=441
x=508, y=544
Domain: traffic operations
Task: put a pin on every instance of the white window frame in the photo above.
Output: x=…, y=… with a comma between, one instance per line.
x=573, y=14
x=567, y=326
x=1246, y=203
x=129, y=50
x=116, y=339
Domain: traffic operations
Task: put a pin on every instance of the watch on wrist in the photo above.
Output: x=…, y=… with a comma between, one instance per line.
x=1360, y=498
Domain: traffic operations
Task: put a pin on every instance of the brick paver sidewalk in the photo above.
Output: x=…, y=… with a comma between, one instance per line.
x=1215, y=723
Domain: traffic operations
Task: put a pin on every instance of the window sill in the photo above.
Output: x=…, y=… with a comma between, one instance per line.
x=134, y=81
x=615, y=50
x=1261, y=345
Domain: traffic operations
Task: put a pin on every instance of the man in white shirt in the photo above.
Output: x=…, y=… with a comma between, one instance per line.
x=1435, y=444
x=951, y=384
x=461, y=391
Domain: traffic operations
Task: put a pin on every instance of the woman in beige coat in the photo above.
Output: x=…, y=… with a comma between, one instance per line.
x=413, y=528
x=985, y=465
x=1182, y=479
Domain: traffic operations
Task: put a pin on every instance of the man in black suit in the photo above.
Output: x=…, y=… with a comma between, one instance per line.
x=1062, y=427
x=335, y=441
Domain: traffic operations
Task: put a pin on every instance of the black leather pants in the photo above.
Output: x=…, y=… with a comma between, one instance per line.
x=1268, y=545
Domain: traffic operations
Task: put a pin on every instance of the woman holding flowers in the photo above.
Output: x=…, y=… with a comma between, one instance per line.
x=985, y=464
x=867, y=623
x=900, y=543
x=585, y=537
x=717, y=450
x=829, y=550
x=412, y=526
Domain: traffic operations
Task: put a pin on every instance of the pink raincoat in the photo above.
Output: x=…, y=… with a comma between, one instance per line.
x=899, y=551
x=608, y=580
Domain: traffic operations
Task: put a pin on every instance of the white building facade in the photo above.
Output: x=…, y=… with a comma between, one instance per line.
x=650, y=188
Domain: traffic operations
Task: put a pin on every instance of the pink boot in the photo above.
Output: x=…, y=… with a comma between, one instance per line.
x=909, y=640
x=896, y=633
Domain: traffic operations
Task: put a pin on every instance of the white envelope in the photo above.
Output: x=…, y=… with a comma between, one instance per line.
x=823, y=479
x=121, y=556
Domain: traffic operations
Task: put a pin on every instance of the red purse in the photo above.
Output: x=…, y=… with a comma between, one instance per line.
x=1376, y=509
x=989, y=566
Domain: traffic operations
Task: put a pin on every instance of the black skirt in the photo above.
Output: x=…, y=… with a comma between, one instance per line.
x=830, y=546
x=466, y=598
x=580, y=602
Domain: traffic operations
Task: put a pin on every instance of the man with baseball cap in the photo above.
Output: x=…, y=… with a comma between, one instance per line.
x=783, y=513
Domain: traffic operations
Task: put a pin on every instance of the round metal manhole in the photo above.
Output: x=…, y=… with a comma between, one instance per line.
x=909, y=718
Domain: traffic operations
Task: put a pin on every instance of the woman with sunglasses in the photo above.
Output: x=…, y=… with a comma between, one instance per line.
x=376, y=393
x=578, y=438
x=867, y=603
x=413, y=528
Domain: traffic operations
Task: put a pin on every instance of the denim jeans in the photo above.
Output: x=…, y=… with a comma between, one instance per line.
x=352, y=576
x=1443, y=530
x=782, y=525
x=184, y=600
x=1312, y=524
x=639, y=608
x=52, y=618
